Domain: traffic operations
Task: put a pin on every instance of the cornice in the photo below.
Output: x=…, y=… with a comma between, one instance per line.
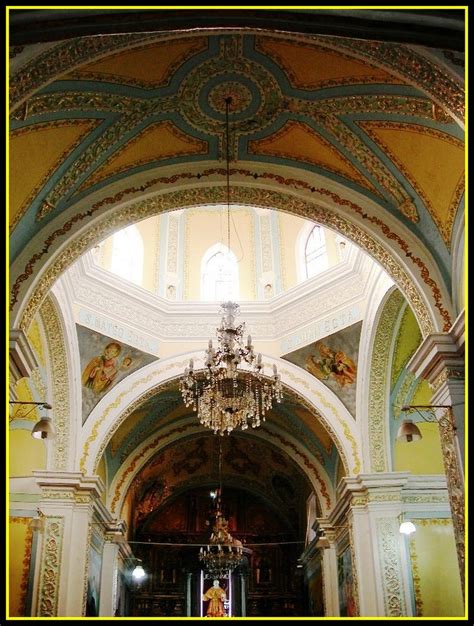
x=99, y=291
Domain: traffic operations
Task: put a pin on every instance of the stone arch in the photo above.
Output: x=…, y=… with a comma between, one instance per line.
x=417, y=276
x=127, y=395
x=312, y=468
x=375, y=430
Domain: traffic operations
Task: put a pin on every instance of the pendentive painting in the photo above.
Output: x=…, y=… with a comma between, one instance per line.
x=104, y=363
x=333, y=360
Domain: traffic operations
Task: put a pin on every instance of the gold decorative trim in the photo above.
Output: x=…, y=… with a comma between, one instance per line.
x=378, y=382
x=95, y=429
x=389, y=554
x=354, y=570
x=416, y=578
x=60, y=380
x=51, y=567
x=260, y=146
x=448, y=373
x=202, y=148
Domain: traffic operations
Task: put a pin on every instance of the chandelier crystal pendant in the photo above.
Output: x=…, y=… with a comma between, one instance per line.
x=224, y=396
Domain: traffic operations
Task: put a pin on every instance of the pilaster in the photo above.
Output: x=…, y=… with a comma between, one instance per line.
x=113, y=546
x=68, y=501
x=370, y=505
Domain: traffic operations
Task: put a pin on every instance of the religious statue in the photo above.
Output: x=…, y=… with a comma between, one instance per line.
x=216, y=596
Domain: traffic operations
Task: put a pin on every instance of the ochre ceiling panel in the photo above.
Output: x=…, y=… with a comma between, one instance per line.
x=431, y=160
x=315, y=426
x=35, y=153
x=149, y=66
x=299, y=142
x=126, y=428
x=157, y=142
x=314, y=67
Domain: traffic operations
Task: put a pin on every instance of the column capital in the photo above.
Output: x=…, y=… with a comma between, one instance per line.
x=71, y=487
x=440, y=353
x=388, y=490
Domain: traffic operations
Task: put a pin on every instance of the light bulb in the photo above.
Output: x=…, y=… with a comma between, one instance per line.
x=407, y=528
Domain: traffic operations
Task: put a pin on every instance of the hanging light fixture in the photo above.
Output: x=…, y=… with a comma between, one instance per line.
x=44, y=428
x=224, y=396
x=223, y=553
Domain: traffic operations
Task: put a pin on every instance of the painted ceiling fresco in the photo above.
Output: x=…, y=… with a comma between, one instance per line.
x=325, y=105
x=195, y=462
x=333, y=360
x=104, y=363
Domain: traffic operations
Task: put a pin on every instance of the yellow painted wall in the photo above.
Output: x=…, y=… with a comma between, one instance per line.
x=435, y=572
x=101, y=471
x=36, y=341
x=206, y=227
x=423, y=456
x=408, y=339
x=26, y=454
x=290, y=229
x=19, y=542
x=149, y=230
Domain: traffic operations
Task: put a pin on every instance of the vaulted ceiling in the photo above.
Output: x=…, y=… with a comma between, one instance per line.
x=348, y=110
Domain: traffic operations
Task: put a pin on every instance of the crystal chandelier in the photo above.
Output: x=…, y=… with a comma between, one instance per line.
x=224, y=396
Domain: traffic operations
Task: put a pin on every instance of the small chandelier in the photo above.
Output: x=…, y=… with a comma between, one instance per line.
x=223, y=553
x=225, y=397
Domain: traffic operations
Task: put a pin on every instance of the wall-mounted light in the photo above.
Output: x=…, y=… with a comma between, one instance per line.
x=406, y=526
x=408, y=430
x=37, y=523
x=44, y=428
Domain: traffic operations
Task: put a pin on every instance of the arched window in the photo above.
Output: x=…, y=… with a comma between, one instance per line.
x=127, y=254
x=315, y=257
x=219, y=275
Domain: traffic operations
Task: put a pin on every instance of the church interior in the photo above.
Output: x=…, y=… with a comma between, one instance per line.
x=236, y=313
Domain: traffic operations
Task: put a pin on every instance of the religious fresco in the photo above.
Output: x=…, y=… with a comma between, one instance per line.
x=333, y=360
x=104, y=363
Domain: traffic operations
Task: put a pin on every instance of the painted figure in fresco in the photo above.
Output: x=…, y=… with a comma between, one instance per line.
x=331, y=363
x=100, y=372
x=126, y=362
x=216, y=596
